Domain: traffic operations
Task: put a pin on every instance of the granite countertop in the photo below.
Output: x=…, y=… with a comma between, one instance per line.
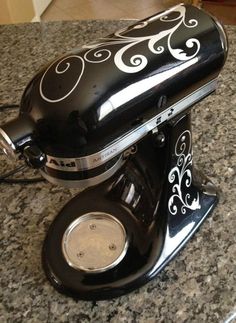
x=198, y=286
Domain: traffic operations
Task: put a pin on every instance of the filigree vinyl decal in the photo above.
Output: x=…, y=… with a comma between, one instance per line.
x=139, y=61
x=62, y=67
x=181, y=178
x=100, y=51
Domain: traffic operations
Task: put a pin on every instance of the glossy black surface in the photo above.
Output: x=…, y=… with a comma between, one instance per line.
x=90, y=99
x=92, y=96
x=165, y=206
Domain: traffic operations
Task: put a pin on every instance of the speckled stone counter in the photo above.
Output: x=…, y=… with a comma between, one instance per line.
x=198, y=286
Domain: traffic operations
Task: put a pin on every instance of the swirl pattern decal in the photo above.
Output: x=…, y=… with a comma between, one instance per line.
x=181, y=177
x=100, y=51
x=139, y=61
x=62, y=67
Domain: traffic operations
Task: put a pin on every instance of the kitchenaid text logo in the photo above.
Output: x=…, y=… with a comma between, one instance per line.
x=79, y=164
x=61, y=163
x=65, y=164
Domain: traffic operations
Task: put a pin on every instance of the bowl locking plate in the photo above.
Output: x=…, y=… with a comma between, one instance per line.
x=94, y=242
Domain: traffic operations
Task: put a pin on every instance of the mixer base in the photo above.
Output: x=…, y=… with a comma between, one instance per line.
x=116, y=236
x=107, y=265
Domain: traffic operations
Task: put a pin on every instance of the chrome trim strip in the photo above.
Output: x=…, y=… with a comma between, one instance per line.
x=84, y=183
x=99, y=158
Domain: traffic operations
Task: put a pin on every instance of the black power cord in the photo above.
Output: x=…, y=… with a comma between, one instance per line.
x=4, y=178
x=8, y=106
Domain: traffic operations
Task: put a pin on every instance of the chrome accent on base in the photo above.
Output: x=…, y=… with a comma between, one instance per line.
x=94, y=242
x=99, y=158
x=84, y=183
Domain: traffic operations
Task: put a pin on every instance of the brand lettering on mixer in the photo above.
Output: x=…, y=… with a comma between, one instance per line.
x=105, y=155
x=60, y=163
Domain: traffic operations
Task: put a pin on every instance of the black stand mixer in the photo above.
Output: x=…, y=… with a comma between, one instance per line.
x=113, y=119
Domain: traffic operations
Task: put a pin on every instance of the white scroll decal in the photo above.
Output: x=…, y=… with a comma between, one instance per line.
x=97, y=51
x=181, y=175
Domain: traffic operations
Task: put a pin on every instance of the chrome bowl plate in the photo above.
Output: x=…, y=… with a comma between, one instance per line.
x=94, y=242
